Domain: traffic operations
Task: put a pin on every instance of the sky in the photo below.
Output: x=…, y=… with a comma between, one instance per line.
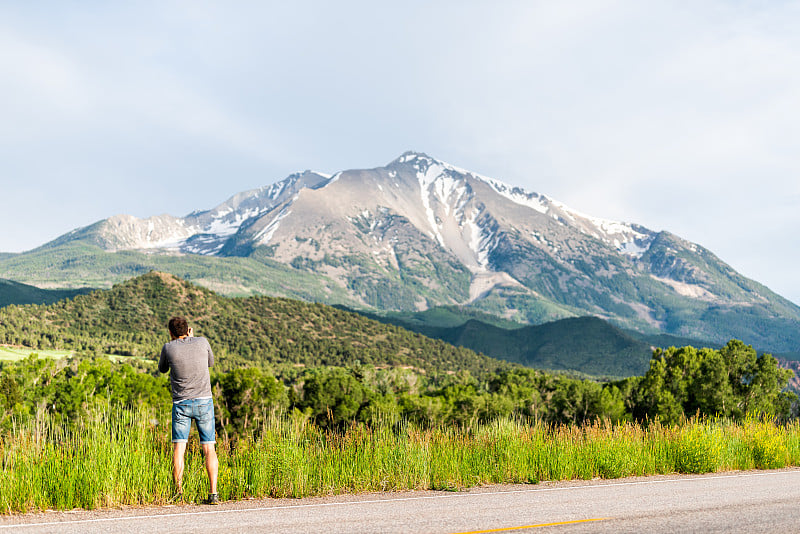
x=679, y=116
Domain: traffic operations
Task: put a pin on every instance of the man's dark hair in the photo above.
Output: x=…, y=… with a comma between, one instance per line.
x=178, y=327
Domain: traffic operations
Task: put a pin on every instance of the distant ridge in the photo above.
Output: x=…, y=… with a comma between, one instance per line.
x=16, y=293
x=584, y=344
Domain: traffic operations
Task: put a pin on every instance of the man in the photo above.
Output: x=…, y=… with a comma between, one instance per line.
x=188, y=359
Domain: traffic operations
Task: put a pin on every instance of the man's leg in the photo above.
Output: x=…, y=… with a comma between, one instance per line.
x=180, y=435
x=207, y=431
x=177, y=464
x=212, y=465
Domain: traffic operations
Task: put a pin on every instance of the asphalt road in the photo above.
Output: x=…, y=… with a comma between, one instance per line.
x=751, y=502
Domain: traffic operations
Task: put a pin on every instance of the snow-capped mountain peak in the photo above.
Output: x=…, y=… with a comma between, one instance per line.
x=451, y=212
x=436, y=175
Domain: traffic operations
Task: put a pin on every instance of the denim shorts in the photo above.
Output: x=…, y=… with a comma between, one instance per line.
x=202, y=411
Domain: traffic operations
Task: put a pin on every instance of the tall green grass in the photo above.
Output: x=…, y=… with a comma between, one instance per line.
x=123, y=457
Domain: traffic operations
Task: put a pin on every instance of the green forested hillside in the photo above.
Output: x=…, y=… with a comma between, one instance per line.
x=16, y=293
x=587, y=345
x=130, y=319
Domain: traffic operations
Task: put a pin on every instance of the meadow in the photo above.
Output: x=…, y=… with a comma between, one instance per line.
x=9, y=353
x=122, y=457
x=14, y=354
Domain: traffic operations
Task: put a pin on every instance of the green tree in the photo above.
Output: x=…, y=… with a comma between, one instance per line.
x=332, y=396
x=10, y=396
x=246, y=397
x=731, y=382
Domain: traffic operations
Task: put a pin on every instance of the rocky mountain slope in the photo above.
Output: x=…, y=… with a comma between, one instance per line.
x=419, y=233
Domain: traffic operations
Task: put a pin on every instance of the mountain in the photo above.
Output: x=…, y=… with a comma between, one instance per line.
x=130, y=320
x=15, y=293
x=420, y=233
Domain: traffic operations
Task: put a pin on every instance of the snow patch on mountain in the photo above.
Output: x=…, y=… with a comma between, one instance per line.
x=205, y=245
x=450, y=192
x=535, y=201
x=427, y=178
x=631, y=240
x=635, y=249
x=483, y=241
x=226, y=226
x=264, y=236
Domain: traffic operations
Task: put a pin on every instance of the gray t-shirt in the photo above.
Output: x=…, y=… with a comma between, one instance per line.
x=188, y=359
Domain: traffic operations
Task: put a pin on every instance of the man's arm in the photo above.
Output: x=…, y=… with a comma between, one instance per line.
x=210, y=354
x=163, y=362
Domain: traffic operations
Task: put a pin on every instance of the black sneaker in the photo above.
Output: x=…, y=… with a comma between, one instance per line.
x=212, y=498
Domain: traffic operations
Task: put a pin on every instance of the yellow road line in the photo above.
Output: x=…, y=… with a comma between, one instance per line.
x=508, y=529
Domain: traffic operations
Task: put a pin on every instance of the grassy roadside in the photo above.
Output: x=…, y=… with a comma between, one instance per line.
x=123, y=458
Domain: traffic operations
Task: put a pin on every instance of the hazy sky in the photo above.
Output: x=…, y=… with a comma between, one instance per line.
x=680, y=116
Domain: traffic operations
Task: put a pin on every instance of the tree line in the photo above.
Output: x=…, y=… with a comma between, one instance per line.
x=731, y=382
